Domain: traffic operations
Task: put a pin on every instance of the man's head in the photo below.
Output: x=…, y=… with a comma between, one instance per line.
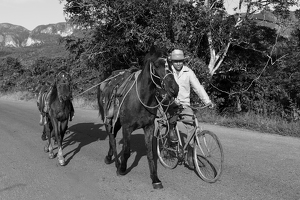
x=177, y=58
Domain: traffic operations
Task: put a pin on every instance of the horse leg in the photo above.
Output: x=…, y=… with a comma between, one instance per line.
x=60, y=137
x=108, y=158
x=57, y=128
x=156, y=183
x=49, y=148
x=44, y=134
x=113, y=145
x=46, y=131
x=126, y=151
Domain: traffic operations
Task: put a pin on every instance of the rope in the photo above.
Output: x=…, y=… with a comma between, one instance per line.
x=117, y=116
x=98, y=84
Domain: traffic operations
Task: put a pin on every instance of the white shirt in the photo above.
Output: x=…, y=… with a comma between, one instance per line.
x=185, y=80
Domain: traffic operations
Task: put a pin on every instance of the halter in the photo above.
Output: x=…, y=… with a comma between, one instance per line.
x=68, y=83
x=152, y=73
x=63, y=71
x=161, y=86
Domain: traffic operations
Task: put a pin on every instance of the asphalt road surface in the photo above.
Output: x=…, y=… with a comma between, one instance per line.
x=257, y=165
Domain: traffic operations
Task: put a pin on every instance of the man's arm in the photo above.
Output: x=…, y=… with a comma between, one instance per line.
x=199, y=89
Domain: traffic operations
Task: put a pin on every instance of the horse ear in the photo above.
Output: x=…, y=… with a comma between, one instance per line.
x=169, y=61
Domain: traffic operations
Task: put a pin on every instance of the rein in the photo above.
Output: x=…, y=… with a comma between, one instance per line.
x=98, y=84
x=149, y=107
x=159, y=103
x=162, y=80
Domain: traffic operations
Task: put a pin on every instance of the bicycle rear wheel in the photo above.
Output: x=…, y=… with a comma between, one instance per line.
x=167, y=154
x=208, y=156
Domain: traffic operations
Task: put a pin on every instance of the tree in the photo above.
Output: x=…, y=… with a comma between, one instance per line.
x=117, y=33
x=121, y=31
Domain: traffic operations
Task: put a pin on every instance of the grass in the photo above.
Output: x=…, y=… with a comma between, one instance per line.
x=248, y=121
x=253, y=122
x=29, y=96
x=25, y=96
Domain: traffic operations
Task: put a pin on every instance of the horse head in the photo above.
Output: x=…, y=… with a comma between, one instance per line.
x=163, y=77
x=63, y=85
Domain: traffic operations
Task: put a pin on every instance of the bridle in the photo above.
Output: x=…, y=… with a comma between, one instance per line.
x=64, y=75
x=161, y=86
x=162, y=80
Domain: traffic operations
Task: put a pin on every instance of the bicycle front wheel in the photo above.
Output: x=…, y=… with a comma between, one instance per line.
x=208, y=156
x=167, y=154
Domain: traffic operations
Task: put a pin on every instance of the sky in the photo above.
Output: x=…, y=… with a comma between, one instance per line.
x=31, y=13
x=230, y=5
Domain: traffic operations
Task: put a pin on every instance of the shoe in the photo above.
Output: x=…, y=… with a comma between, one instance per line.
x=172, y=144
x=189, y=158
x=173, y=136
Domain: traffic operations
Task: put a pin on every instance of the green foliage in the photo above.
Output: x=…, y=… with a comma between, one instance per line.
x=260, y=73
x=118, y=33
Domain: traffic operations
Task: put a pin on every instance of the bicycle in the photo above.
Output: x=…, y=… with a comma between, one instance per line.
x=208, y=154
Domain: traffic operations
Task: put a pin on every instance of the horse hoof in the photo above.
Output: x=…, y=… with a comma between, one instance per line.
x=61, y=162
x=157, y=185
x=51, y=155
x=41, y=122
x=108, y=160
x=120, y=173
x=46, y=149
x=44, y=137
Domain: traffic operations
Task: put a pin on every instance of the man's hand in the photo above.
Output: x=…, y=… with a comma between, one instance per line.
x=211, y=105
x=177, y=102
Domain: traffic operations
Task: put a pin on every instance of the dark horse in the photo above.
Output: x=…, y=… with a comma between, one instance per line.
x=136, y=108
x=57, y=109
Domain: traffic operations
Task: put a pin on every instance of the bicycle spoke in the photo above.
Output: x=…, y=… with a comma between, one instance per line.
x=167, y=154
x=208, y=156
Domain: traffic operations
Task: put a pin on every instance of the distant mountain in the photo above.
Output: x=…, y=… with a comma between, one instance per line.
x=18, y=36
x=43, y=41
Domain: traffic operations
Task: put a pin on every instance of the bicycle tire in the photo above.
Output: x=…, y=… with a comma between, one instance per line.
x=167, y=155
x=208, y=156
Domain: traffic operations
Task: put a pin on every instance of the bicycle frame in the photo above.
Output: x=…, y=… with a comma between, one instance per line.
x=194, y=131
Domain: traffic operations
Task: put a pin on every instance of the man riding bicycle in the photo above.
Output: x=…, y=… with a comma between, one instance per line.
x=186, y=79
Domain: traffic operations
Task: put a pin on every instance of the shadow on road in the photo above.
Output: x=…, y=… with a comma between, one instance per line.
x=83, y=134
x=87, y=133
x=137, y=144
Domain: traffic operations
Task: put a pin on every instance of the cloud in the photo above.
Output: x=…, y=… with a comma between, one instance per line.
x=18, y=2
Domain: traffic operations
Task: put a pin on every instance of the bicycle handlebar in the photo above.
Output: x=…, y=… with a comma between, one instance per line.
x=198, y=107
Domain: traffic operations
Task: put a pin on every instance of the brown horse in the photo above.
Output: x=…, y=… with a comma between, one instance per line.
x=135, y=105
x=58, y=113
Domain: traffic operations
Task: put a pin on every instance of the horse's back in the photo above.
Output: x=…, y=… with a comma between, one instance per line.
x=113, y=89
x=43, y=98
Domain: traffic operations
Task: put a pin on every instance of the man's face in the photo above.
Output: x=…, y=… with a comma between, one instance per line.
x=178, y=64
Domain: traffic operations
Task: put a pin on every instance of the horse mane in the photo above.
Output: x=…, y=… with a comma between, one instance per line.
x=154, y=54
x=53, y=94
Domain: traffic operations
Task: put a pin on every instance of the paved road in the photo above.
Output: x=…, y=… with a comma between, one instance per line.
x=257, y=166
